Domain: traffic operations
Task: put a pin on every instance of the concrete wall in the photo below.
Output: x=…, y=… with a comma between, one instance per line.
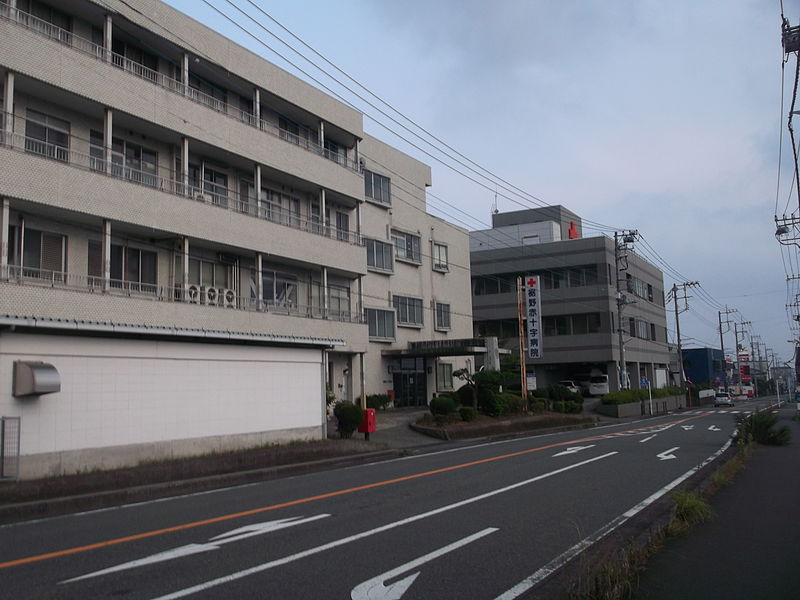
x=123, y=401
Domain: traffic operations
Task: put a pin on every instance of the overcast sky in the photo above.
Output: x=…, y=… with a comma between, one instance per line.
x=658, y=116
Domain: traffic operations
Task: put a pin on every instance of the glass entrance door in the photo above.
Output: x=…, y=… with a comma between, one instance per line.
x=410, y=382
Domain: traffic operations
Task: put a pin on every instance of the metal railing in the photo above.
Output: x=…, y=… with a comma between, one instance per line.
x=213, y=296
x=139, y=70
x=210, y=193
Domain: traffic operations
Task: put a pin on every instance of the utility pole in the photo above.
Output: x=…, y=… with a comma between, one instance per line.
x=722, y=343
x=738, y=364
x=621, y=241
x=685, y=285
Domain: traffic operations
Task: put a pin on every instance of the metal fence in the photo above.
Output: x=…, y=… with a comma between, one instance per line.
x=9, y=447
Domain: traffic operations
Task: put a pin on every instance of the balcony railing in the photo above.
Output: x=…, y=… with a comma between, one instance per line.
x=137, y=69
x=209, y=193
x=217, y=297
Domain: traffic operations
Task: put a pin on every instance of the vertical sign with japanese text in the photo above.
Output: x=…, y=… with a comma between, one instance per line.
x=533, y=314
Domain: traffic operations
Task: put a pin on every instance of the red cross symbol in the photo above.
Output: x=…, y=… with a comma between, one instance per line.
x=531, y=282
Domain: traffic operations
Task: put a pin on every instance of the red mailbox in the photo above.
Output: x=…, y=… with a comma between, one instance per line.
x=367, y=425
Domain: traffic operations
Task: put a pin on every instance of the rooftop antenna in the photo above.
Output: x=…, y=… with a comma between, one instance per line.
x=495, y=210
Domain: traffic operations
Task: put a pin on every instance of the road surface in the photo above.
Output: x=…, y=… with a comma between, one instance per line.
x=479, y=520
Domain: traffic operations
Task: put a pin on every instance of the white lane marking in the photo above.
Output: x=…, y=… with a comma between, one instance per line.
x=573, y=450
x=566, y=556
x=735, y=412
x=687, y=427
x=214, y=544
x=667, y=454
x=375, y=589
x=370, y=532
x=647, y=439
x=714, y=428
x=722, y=412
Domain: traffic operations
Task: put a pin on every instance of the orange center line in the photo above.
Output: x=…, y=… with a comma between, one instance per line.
x=299, y=501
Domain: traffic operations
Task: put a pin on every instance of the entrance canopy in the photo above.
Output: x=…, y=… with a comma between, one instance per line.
x=436, y=348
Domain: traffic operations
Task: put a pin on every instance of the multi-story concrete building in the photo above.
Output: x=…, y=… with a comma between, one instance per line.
x=578, y=278
x=196, y=244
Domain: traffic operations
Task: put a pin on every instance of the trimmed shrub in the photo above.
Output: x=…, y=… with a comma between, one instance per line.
x=465, y=395
x=378, y=401
x=488, y=379
x=442, y=405
x=514, y=403
x=491, y=403
x=348, y=417
x=467, y=413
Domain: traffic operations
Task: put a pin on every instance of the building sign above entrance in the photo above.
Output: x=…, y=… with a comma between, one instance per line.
x=533, y=314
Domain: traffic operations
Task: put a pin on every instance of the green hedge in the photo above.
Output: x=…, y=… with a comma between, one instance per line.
x=378, y=401
x=630, y=396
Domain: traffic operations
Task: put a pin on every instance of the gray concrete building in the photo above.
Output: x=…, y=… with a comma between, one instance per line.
x=197, y=246
x=578, y=298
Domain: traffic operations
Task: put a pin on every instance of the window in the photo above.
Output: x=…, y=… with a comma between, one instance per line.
x=335, y=152
x=653, y=331
x=440, y=262
x=289, y=130
x=280, y=208
x=379, y=255
x=377, y=187
x=409, y=310
x=131, y=268
x=280, y=289
x=213, y=95
x=133, y=54
x=444, y=376
x=215, y=184
x=642, y=330
x=46, y=135
x=579, y=324
x=381, y=323
x=342, y=226
x=442, y=316
x=632, y=327
x=46, y=13
x=338, y=301
x=209, y=274
x=406, y=246
x=44, y=254
x=128, y=160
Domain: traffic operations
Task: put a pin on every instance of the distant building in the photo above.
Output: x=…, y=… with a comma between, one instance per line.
x=704, y=366
x=579, y=298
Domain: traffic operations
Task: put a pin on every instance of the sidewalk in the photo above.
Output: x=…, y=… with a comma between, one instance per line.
x=393, y=429
x=749, y=548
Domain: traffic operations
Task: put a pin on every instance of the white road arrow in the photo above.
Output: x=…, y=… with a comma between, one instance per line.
x=214, y=544
x=374, y=589
x=687, y=427
x=573, y=450
x=667, y=454
x=714, y=428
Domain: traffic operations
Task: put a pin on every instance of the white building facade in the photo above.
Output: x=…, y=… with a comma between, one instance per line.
x=198, y=246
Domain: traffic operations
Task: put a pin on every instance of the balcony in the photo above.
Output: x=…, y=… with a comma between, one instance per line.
x=206, y=192
x=207, y=296
x=98, y=52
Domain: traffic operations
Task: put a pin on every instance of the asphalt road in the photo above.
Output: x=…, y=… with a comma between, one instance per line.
x=471, y=521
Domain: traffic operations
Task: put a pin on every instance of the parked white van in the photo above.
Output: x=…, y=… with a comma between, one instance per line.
x=598, y=385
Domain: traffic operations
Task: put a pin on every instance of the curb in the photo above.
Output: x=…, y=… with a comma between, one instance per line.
x=51, y=507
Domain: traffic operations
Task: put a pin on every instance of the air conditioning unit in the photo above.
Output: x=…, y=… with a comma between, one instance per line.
x=228, y=298
x=199, y=197
x=212, y=296
x=193, y=294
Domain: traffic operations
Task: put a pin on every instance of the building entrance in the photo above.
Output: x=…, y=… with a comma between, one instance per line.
x=410, y=382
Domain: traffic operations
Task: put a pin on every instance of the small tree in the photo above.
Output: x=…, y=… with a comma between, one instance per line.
x=466, y=376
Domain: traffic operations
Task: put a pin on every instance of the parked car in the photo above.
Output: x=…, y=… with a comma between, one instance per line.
x=723, y=399
x=598, y=385
x=570, y=385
